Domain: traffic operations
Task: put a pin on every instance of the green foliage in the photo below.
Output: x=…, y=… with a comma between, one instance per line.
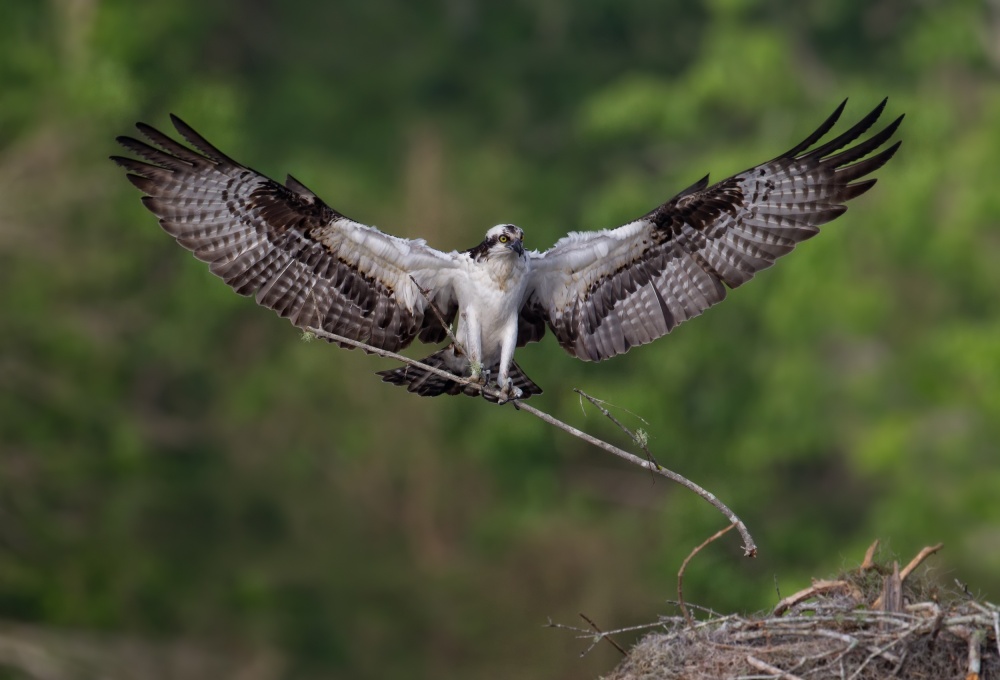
x=176, y=467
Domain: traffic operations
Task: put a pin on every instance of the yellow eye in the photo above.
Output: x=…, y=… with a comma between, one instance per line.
x=504, y=239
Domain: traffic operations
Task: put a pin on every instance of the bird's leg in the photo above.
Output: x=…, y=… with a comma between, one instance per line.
x=473, y=343
x=504, y=382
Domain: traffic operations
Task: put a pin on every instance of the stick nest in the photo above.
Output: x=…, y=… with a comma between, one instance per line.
x=870, y=623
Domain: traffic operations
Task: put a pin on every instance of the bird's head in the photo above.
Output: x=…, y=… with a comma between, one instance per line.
x=503, y=240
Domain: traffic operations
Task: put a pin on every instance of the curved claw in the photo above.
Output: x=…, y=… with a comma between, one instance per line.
x=508, y=392
x=482, y=379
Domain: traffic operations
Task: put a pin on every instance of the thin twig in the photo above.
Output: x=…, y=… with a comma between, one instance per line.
x=641, y=442
x=768, y=668
x=869, y=561
x=684, y=564
x=708, y=610
x=817, y=588
x=975, y=654
x=608, y=403
x=553, y=624
x=921, y=556
x=749, y=547
x=602, y=634
x=586, y=634
x=880, y=652
x=437, y=313
x=632, y=629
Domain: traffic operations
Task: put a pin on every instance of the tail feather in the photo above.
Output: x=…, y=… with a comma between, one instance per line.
x=427, y=384
x=422, y=381
x=523, y=382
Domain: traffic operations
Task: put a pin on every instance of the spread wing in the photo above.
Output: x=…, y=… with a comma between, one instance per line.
x=604, y=292
x=285, y=246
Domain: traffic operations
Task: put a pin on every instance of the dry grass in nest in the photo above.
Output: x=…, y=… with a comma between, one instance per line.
x=870, y=623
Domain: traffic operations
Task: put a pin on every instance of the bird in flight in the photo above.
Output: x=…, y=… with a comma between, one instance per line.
x=600, y=293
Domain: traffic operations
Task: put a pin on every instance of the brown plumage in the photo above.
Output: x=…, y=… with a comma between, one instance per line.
x=601, y=293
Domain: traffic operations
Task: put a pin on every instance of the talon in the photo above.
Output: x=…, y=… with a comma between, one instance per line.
x=482, y=379
x=508, y=392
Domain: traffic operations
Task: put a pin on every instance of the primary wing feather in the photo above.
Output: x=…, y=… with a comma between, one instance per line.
x=285, y=246
x=605, y=292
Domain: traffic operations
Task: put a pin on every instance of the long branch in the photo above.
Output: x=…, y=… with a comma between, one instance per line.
x=749, y=547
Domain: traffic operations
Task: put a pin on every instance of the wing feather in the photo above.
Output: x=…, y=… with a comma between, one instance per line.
x=286, y=247
x=604, y=292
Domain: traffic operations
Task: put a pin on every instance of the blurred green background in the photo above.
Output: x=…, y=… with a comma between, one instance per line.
x=189, y=491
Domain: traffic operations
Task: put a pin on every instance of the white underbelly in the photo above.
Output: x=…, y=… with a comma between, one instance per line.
x=494, y=321
x=489, y=310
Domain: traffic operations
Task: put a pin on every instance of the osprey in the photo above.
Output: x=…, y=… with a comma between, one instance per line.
x=600, y=292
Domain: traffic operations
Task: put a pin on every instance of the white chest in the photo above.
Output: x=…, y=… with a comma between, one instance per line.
x=490, y=294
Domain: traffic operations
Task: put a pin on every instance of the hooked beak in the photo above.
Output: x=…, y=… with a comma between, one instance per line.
x=517, y=247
